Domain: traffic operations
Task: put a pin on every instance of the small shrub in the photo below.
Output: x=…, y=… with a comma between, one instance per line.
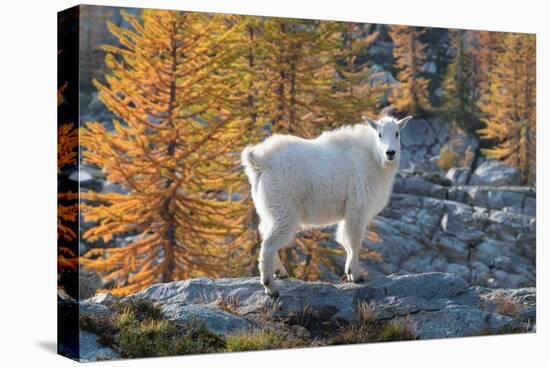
x=447, y=158
x=395, y=330
x=366, y=312
x=263, y=339
x=100, y=325
x=368, y=329
x=141, y=308
x=138, y=329
x=228, y=303
x=153, y=338
x=125, y=319
x=505, y=305
x=252, y=340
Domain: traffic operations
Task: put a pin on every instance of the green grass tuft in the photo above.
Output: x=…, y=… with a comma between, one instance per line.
x=368, y=329
x=138, y=329
x=252, y=340
x=395, y=330
x=262, y=339
x=141, y=308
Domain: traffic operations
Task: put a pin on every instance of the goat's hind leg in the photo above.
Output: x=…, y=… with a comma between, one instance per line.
x=278, y=236
x=280, y=270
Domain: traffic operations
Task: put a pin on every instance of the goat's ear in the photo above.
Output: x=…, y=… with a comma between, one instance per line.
x=403, y=122
x=370, y=121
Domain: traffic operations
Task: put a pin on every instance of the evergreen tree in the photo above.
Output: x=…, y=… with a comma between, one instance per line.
x=510, y=106
x=170, y=149
x=411, y=95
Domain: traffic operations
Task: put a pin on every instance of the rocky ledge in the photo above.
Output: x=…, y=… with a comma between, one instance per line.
x=430, y=305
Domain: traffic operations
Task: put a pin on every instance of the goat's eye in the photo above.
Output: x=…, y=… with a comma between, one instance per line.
x=380, y=135
x=396, y=135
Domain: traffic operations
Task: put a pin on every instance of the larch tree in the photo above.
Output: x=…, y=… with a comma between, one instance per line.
x=510, y=106
x=460, y=100
x=294, y=68
x=249, y=97
x=485, y=46
x=67, y=205
x=354, y=93
x=169, y=148
x=290, y=68
x=411, y=95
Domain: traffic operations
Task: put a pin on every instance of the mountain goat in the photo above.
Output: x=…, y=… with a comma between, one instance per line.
x=343, y=176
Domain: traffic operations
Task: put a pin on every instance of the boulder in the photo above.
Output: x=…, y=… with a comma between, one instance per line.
x=459, y=175
x=499, y=199
x=530, y=206
x=433, y=305
x=91, y=350
x=418, y=133
x=89, y=282
x=451, y=247
x=493, y=173
x=439, y=304
x=456, y=321
x=454, y=226
x=217, y=321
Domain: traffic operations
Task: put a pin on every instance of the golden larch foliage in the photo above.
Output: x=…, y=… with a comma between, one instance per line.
x=355, y=94
x=411, y=95
x=510, y=106
x=459, y=92
x=169, y=150
x=67, y=202
x=296, y=67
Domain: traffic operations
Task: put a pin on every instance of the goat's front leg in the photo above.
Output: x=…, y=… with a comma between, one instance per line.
x=353, y=234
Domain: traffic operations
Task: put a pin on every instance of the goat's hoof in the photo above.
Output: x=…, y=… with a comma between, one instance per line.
x=355, y=279
x=272, y=293
x=281, y=274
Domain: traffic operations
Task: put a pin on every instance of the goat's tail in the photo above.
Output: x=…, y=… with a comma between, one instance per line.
x=252, y=166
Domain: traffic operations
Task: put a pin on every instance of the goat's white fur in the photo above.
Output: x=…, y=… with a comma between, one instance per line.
x=343, y=176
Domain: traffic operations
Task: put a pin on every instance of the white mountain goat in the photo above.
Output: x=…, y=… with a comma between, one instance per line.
x=343, y=176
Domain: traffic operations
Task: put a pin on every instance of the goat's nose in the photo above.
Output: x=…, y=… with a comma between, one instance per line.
x=390, y=153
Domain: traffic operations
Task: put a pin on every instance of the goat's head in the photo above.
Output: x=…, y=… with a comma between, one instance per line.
x=388, y=133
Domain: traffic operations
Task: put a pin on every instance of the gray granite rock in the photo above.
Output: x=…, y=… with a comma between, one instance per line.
x=459, y=175
x=91, y=350
x=493, y=173
x=89, y=283
x=217, y=321
x=438, y=304
x=419, y=133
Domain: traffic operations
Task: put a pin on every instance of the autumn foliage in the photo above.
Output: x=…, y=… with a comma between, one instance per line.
x=169, y=150
x=409, y=52
x=509, y=108
x=67, y=205
x=490, y=86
